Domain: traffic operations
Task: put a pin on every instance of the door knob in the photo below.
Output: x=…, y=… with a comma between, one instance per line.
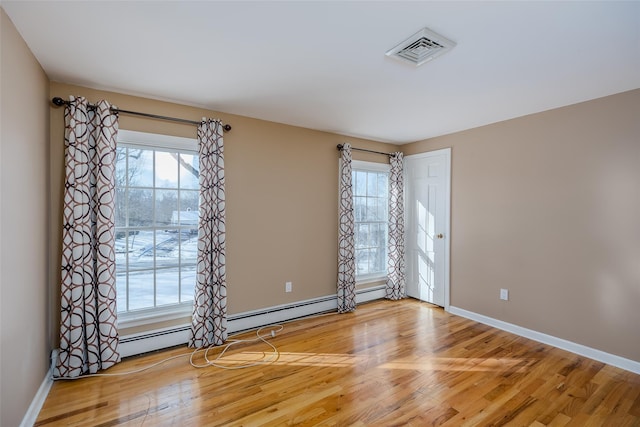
x=440, y=236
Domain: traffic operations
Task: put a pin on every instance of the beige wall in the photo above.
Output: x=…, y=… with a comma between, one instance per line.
x=281, y=199
x=24, y=152
x=548, y=206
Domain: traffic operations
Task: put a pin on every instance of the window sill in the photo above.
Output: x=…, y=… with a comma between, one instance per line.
x=156, y=315
x=370, y=280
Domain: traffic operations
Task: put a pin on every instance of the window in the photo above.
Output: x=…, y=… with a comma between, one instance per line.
x=370, y=206
x=156, y=224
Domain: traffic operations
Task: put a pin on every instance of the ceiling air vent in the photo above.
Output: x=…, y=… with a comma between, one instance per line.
x=421, y=47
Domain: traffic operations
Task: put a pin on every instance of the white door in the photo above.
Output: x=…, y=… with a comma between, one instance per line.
x=427, y=200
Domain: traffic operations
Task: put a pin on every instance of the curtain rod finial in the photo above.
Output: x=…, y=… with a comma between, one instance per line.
x=58, y=101
x=339, y=146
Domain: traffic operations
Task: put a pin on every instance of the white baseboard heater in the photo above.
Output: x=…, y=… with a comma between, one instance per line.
x=131, y=345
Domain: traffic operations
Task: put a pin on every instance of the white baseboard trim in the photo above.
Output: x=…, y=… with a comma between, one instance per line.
x=582, y=350
x=133, y=344
x=33, y=411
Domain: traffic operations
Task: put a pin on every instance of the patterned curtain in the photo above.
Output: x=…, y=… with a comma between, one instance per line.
x=209, y=322
x=396, y=288
x=346, y=245
x=88, y=323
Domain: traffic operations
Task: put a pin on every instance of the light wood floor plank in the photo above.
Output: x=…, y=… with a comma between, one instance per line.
x=389, y=363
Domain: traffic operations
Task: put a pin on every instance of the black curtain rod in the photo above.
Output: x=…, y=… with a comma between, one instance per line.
x=60, y=102
x=339, y=146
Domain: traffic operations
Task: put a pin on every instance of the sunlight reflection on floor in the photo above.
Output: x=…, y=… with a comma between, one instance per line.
x=295, y=359
x=461, y=364
x=348, y=360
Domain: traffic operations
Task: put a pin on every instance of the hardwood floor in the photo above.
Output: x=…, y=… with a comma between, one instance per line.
x=387, y=364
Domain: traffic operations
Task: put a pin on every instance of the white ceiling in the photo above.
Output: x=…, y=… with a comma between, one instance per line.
x=322, y=65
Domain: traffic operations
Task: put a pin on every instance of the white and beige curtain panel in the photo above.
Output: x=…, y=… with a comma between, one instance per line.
x=88, y=323
x=209, y=321
x=346, y=244
x=396, y=286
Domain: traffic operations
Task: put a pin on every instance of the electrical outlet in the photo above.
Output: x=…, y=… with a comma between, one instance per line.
x=504, y=294
x=288, y=287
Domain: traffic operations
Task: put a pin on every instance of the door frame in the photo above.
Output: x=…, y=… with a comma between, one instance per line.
x=447, y=216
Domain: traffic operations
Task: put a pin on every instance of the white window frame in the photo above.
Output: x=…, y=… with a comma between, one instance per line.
x=164, y=313
x=361, y=165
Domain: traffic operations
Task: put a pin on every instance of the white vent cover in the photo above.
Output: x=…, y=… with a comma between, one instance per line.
x=421, y=47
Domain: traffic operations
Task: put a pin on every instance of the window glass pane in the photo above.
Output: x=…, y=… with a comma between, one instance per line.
x=167, y=248
x=121, y=166
x=157, y=195
x=379, y=260
x=121, y=206
x=167, y=207
x=142, y=257
x=189, y=209
x=167, y=282
x=189, y=247
x=140, y=207
x=166, y=169
x=372, y=208
x=122, y=250
x=362, y=262
x=359, y=208
x=371, y=216
x=121, y=290
x=187, y=283
x=189, y=171
x=372, y=184
x=381, y=212
x=362, y=236
x=139, y=244
x=140, y=167
x=382, y=185
x=121, y=183
x=359, y=183
x=380, y=235
x=141, y=289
